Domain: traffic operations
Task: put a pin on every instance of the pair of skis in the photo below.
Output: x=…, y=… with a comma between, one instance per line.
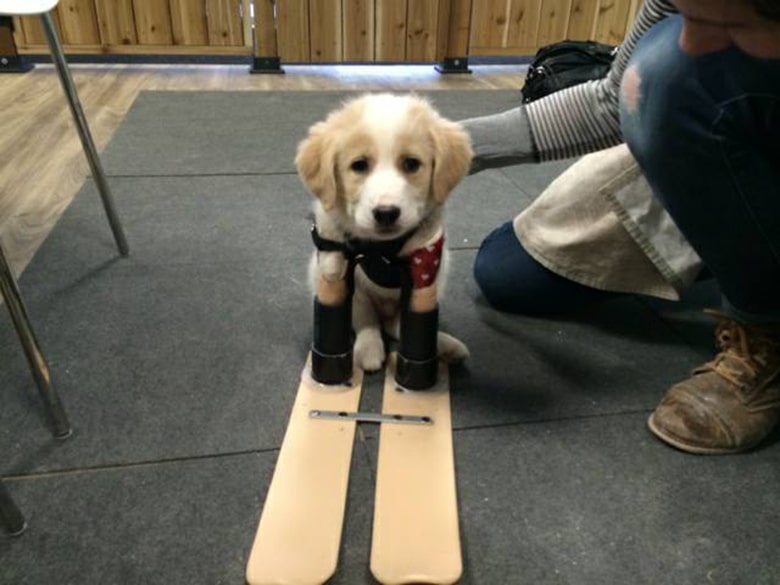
x=415, y=533
x=415, y=537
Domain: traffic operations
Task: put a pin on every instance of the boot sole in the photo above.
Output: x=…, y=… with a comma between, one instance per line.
x=687, y=447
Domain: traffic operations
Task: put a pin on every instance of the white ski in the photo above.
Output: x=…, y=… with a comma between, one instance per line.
x=299, y=534
x=416, y=535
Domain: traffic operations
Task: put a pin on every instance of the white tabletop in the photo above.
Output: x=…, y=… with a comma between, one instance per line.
x=22, y=7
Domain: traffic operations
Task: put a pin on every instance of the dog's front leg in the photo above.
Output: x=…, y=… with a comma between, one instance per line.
x=369, y=347
x=328, y=275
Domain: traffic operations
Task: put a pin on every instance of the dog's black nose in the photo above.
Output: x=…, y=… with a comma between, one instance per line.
x=386, y=215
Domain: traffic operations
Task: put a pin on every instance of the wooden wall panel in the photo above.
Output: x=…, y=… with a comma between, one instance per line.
x=521, y=30
x=292, y=21
x=522, y=25
x=582, y=19
x=505, y=23
x=246, y=21
x=359, y=30
x=422, y=24
x=446, y=14
x=188, y=22
x=390, y=29
x=78, y=22
x=611, y=23
x=488, y=22
x=32, y=30
x=330, y=30
x=454, y=28
x=116, y=22
x=266, y=44
x=325, y=25
x=224, y=23
x=7, y=44
x=153, y=22
x=632, y=10
x=553, y=21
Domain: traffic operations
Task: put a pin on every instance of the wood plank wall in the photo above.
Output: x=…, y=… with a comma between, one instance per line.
x=518, y=27
x=362, y=30
x=317, y=31
x=144, y=26
x=428, y=30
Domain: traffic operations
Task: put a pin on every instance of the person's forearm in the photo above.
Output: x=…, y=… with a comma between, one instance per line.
x=501, y=140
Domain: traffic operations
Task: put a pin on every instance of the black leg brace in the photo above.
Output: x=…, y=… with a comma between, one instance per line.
x=331, y=348
x=418, y=353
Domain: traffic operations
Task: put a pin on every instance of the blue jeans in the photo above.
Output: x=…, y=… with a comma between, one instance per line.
x=512, y=281
x=706, y=133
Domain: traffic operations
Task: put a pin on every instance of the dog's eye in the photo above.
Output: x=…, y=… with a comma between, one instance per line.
x=360, y=166
x=410, y=164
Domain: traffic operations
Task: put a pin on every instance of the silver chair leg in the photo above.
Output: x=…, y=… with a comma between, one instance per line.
x=86, y=138
x=11, y=518
x=32, y=349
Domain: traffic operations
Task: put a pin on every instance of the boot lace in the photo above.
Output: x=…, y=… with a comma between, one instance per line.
x=749, y=355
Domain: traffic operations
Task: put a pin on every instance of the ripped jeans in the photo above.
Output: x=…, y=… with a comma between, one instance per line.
x=706, y=132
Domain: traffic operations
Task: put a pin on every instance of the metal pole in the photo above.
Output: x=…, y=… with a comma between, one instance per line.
x=10, y=515
x=32, y=349
x=86, y=138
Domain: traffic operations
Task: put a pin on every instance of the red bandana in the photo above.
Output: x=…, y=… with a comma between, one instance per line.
x=424, y=263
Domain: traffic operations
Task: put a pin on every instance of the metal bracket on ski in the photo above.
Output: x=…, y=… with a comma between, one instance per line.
x=371, y=417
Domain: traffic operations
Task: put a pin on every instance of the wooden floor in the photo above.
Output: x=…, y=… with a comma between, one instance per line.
x=42, y=165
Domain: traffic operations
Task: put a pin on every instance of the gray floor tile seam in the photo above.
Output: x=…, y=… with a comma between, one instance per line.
x=112, y=467
x=529, y=196
x=553, y=420
x=525, y=423
x=30, y=278
x=196, y=175
x=462, y=248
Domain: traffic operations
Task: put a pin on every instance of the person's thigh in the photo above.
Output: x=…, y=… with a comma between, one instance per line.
x=706, y=132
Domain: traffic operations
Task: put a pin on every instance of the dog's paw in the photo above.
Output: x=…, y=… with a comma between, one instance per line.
x=369, y=350
x=452, y=350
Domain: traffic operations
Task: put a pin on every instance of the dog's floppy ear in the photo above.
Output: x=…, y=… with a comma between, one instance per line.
x=452, y=157
x=316, y=163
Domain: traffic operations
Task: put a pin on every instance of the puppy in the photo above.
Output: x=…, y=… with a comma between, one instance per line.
x=381, y=168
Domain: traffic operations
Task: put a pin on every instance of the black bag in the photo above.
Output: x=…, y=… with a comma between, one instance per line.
x=565, y=64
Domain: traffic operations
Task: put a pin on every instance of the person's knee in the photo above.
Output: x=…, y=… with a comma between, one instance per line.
x=630, y=89
x=512, y=281
x=489, y=270
x=506, y=274
x=495, y=290
x=660, y=102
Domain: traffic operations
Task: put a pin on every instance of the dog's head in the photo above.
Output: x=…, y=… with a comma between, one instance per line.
x=382, y=163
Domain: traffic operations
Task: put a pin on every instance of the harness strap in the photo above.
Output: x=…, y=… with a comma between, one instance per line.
x=324, y=245
x=381, y=261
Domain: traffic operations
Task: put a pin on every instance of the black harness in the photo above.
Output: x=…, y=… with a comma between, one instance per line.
x=378, y=259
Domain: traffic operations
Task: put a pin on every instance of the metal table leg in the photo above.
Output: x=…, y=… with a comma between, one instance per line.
x=32, y=349
x=86, y=137
x=11, y=518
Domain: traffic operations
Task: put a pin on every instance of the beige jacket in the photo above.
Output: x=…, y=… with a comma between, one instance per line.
x=599, y=224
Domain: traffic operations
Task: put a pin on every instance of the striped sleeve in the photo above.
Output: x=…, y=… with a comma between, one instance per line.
x=584, y=118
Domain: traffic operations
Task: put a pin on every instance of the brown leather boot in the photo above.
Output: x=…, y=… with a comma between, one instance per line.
x=729, y=404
